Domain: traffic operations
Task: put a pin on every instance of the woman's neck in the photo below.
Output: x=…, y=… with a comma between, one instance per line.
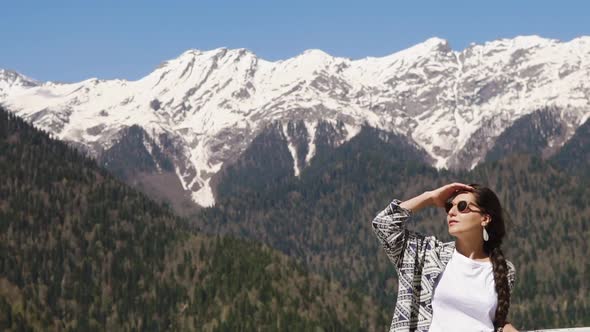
x=472, y=248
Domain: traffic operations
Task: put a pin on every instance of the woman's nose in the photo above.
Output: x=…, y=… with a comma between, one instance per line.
x=452, y=211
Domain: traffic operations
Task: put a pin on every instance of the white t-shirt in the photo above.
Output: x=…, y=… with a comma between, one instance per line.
x=465, y=297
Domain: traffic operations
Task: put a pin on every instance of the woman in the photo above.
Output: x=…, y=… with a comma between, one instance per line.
x=464, y=285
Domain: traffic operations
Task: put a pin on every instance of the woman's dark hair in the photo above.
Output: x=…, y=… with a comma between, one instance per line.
x=487, y=200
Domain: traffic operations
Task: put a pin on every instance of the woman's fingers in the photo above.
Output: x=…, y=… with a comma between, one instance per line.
x=447, y=191
x=441, y=194
x=461, y=186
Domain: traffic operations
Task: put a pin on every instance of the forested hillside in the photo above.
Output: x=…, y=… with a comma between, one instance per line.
x=80, y=251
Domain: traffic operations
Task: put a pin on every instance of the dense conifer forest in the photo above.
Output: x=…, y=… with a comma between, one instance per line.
x=81, y=251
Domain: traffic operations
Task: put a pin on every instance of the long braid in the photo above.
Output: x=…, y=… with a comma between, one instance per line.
x=501, y=280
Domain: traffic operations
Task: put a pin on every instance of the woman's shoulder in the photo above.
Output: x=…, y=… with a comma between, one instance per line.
x=511, y=274
x=511, y=267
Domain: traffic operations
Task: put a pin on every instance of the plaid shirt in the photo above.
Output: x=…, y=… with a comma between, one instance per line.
x=418, y=260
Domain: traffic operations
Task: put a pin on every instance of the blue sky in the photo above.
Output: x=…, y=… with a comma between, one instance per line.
x=73, y=40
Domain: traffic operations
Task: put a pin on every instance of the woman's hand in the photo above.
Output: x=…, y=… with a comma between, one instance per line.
x=439, y=196
x=436, y=197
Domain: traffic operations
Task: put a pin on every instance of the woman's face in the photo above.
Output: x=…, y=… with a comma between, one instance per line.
x=468, y=221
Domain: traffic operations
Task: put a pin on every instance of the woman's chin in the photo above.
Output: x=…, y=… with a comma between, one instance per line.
x=453, y=231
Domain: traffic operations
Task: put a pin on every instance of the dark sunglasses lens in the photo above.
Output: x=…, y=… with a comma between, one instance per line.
x=448, y=206
x=462, y=206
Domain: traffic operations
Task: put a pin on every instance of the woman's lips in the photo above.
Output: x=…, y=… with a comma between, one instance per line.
x=452, y=222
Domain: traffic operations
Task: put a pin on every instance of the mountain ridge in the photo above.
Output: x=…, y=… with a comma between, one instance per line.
x=212, y=104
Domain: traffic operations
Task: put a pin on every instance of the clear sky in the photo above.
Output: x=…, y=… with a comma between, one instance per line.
x=73, y=40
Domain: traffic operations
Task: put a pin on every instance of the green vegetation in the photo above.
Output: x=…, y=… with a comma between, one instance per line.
x=81, y=251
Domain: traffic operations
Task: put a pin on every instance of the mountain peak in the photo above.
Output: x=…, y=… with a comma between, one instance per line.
x=520, y=42
x=191, y=53
x=434, y=41
x=315, y=51
x=532, y=41
x=315, y=54
x=14, y=77
x=310, y=59
x=432, y=44
x=10, y=79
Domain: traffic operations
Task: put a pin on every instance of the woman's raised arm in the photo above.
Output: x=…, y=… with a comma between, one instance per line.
x=390, y=224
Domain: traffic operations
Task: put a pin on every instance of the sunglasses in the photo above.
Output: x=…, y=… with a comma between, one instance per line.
x=462, y=206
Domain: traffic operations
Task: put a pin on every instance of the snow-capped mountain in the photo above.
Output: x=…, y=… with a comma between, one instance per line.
x=11, y=80
x=205, y=107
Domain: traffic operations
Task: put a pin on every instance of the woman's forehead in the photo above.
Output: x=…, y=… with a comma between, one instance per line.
x=464, y=197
